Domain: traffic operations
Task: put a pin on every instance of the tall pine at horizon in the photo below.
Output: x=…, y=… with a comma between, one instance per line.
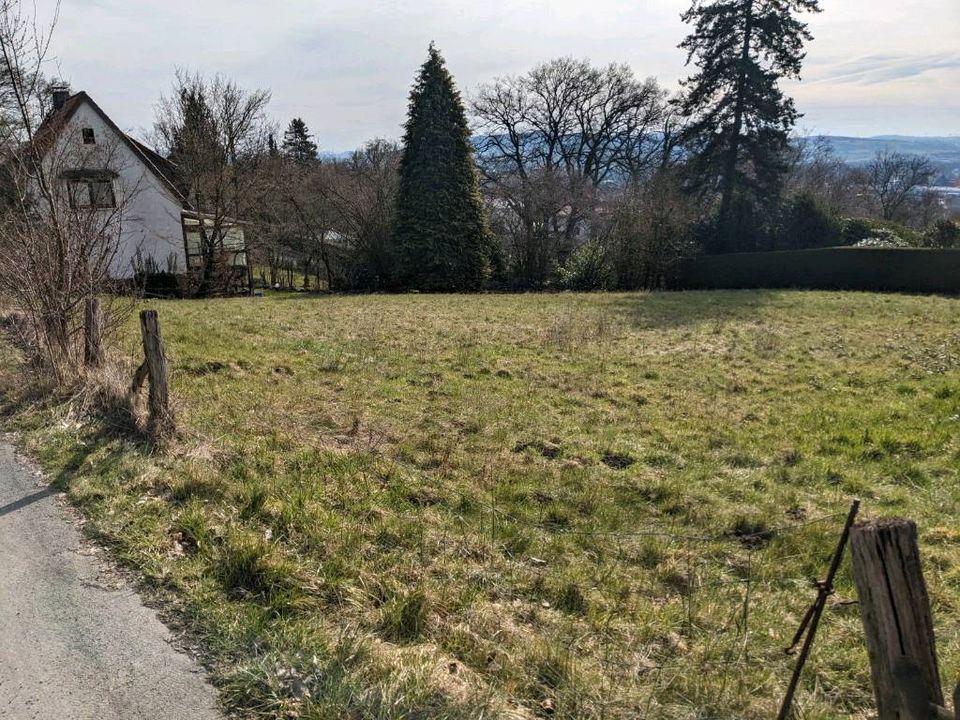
x=298, y=143
x=442, y=239
x=739, y=119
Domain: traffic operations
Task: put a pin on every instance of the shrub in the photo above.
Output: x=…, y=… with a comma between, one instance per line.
x=883, y=239
x=853, y=230
x=587, y=269
x=806, y=223
x=943, y=234
x=652, y=231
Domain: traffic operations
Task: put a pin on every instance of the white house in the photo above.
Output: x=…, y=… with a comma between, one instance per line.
x=103, y=167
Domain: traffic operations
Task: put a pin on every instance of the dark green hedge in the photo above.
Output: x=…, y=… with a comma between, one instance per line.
x=902, y=270
x=158, y=285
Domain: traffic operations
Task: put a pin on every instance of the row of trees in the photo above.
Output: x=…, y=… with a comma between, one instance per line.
x=583, y=176
x=564, y=154
x=574, y=165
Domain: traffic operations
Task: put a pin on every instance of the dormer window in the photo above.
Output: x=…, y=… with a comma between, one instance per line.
x=89, y=136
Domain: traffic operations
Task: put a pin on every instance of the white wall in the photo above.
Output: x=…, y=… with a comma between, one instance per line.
x=150, y=219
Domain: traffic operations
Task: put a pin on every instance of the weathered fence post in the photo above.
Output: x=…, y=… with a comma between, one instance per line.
x=895, y=610
x=161, y=423
x=93, y=333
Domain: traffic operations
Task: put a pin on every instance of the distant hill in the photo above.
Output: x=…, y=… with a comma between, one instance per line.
x=336, y=156
x=944, y=151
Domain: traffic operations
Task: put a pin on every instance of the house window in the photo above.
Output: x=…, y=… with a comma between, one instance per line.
x=101, y=194
x=89, y=137
x=85, y=194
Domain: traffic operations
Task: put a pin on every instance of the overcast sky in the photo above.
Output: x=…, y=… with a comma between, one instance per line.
x=345, y=66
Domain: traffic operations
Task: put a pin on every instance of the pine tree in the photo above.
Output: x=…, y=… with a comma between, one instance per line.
x=196, y=130
x=442, y=239
x=298, y=142
x=739, y=119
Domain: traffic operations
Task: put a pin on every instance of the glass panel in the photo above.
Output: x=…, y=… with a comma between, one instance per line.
x=101, y=194
x=233, y=241
x=79, y=193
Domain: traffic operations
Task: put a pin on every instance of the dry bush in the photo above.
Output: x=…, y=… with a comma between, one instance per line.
x=56, y=248
x=217, y=135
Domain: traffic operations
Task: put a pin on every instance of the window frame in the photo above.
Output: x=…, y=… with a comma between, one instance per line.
x=81, y=194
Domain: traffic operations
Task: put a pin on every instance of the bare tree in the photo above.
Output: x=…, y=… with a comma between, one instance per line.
x=293, y=220
x=893, y=179
x=361, y=195
x=217, y=135
x=334, y=220
x=63, y=206
x=550, y=140
x=309, y=218
x=816, y=172
x=651, y=232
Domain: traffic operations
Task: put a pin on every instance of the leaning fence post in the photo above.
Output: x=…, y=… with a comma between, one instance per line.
x=93, y=333
x=895, y=610
x=161, y=423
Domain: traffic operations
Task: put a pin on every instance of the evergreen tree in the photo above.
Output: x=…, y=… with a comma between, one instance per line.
x=194, y=130
x=298, y=142
x=739, y=119
x=442, y=239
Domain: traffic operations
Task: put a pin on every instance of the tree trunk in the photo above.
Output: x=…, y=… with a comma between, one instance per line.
x=728, y=190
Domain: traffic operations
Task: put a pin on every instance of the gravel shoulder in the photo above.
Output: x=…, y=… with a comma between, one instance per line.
x=76, y=641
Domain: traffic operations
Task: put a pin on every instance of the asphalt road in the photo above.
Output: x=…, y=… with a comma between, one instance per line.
x=76, y=642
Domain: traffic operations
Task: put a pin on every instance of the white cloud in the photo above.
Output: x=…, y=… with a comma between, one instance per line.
x=346, y=65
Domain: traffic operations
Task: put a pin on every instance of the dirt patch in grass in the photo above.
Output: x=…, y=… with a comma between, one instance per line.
x=617, y=460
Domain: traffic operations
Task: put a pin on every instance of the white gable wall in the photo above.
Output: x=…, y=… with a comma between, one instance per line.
x=150, y=219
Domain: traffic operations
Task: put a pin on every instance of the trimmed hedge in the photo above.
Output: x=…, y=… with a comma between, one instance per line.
x=899, y=269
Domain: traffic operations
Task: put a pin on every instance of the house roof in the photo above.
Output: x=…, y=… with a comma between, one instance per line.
x=162, y=168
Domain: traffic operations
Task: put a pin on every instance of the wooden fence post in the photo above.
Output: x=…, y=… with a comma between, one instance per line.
x=93, y=333
x=895, y=610
x=161, y=423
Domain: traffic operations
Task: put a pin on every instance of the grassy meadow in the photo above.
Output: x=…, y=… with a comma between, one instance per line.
x=568, y=506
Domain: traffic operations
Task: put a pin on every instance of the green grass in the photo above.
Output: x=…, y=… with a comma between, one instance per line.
x=468, y=506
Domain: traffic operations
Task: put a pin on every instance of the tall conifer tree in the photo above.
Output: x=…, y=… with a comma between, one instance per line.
x=442, y=239
x=739, y=119
x=298, y=143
